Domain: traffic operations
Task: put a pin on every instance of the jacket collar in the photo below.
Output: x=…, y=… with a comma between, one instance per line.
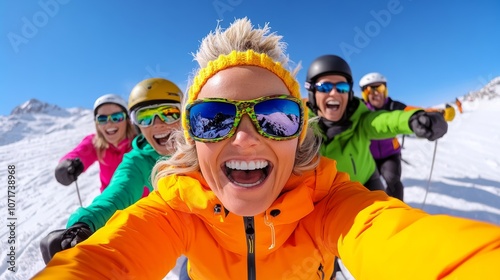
x=191, y=193
x=142, y=145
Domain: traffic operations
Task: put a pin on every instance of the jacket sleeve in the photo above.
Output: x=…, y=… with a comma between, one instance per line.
x=396, y=105
x=385, y=124
x=383, y=238
x=126, y=187
x=137, y=243
x=85, y=151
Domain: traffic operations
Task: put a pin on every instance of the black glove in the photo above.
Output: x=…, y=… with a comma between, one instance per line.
x=68, y=170
x=430, y=125
x=63, y=239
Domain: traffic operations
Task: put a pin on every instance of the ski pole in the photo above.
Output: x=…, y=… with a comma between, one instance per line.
x=430, y=174
x=405, y=161
x=78, y=192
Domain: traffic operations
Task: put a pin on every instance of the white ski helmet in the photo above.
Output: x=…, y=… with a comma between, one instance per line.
x=110, y=99
x=372, y=78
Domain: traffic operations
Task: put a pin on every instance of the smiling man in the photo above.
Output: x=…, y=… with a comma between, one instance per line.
x=385, y=152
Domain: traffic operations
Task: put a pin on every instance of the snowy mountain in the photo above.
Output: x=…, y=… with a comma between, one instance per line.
x=35, y=118
x=34, y=106
x=490, y=91
x=465, y=180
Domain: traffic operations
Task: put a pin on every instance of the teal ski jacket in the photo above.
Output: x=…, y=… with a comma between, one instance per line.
x=126, y=186
x=351, y=147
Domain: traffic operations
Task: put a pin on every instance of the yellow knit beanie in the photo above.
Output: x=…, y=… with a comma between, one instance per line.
x=246, y=58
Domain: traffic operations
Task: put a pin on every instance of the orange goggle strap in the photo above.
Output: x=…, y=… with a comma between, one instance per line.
x=246, y=58
x=364, y=93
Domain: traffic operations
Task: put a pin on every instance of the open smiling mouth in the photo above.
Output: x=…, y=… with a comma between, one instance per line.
x=111, y=131
x=247, y=174
x=162, y=139
x=333, y=105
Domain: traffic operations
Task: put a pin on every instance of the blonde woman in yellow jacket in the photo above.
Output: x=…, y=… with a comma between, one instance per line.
x=246, y=195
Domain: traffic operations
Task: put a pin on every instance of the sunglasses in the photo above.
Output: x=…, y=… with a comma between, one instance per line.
x=327, y=87
x=145, y=116
x=378, y=88
x=115, y=118
x=215, y=119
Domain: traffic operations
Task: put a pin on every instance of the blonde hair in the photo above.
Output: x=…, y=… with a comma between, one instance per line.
x=240, y=37
x=100, y=143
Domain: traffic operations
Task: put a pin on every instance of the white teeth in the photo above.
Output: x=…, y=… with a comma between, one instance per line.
x=333, y=102
x=111, y=130
x=246, y=165
x=157, y=136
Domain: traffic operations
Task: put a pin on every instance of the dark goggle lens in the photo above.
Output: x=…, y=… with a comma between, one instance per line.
x=276, y=118
x=327, y=87
x=168, y=114
x=115, y=118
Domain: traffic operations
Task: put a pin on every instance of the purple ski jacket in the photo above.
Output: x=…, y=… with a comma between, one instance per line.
x=384, y=148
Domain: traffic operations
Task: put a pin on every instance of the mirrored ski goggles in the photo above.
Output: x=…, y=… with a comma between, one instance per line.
x=145, y=116
x=115, y=118
x=215, y=119
x=327, y=87
x=378, y=88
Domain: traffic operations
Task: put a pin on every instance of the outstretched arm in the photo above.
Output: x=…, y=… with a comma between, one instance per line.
x=141, y=242
x=388, y=239
x=386, y=124
x=126, y=187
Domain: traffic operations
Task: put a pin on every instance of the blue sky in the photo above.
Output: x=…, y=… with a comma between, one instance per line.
x=69, y=52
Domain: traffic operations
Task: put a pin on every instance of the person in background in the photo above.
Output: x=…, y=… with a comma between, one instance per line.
x=387, y=152
x=154, y=106
x=347, y=126
x=246, y=194
x=113, y=138
x=459, y=105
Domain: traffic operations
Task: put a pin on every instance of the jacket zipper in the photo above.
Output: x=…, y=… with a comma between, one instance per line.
x=321, y=273
x=353, y=164
x=250, y=235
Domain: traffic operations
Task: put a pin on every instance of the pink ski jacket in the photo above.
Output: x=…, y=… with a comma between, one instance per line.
x=111, y=158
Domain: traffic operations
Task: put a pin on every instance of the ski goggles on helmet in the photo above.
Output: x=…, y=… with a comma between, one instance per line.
x=215, y=119
x=145, y=116
x=115, y=118
x=327, y=87
x=378, y=88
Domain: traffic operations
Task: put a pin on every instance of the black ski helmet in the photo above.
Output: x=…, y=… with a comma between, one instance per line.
x=326, y=65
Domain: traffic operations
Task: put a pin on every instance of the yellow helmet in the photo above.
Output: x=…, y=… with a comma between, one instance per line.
x=150, y=91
